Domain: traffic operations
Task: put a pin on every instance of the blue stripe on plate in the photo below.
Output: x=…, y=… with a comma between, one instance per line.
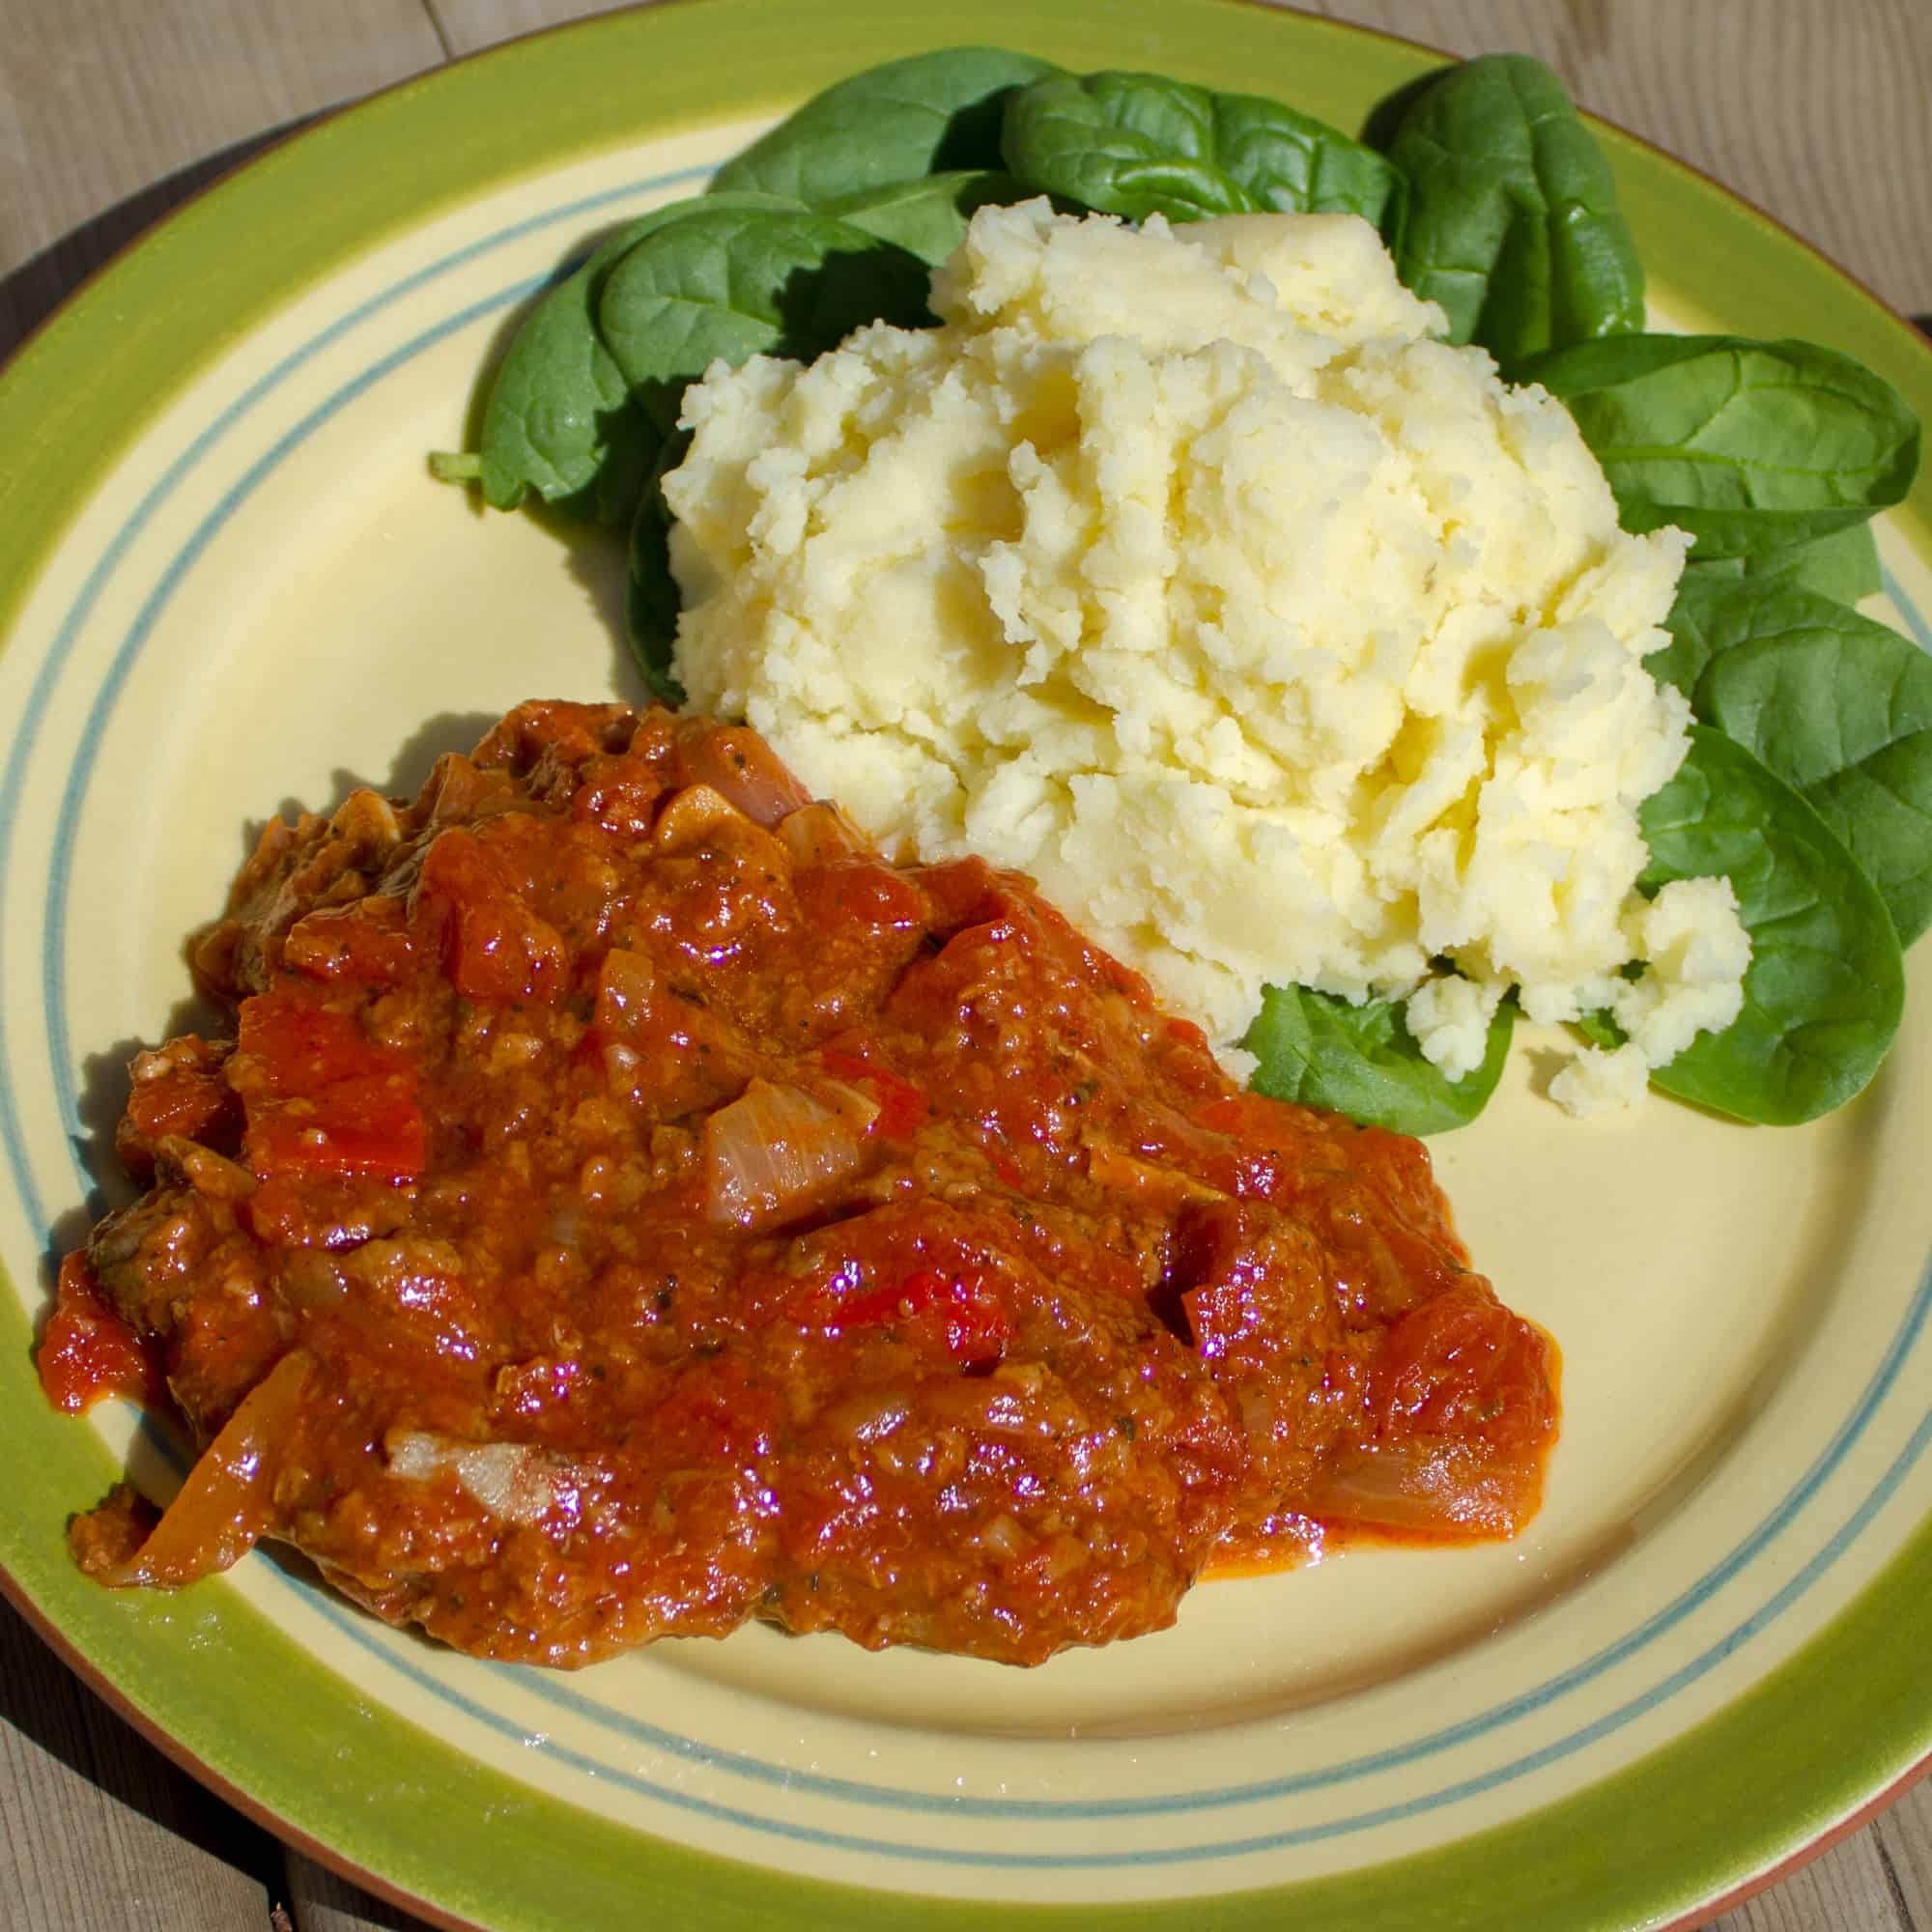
x=1915, y=623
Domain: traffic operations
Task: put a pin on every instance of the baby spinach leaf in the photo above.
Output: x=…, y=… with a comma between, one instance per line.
x=1843, y=565
x=558, y=402
x=1749, y=445
x=651, y=601
x=743, y=282
x=1601, y=1029
x=560, y=411
x=932, y=113
x=1833, y=704
x=1826, y=983
x=1363, y=1061
x=1513, y=222
x=926, y=217
x=1137, y=144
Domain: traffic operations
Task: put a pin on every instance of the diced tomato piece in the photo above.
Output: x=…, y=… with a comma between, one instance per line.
x=295, y=1044
x=494, y=946
x=960, y=1314
x=619, y=794
x=320, y=1097
x=366, y=943
x=179, y=1090
x=902, y=1105
x=859, y=893
x=88, y=1351
x=1463, y=1365
x=370, y=1126
x=962, y=892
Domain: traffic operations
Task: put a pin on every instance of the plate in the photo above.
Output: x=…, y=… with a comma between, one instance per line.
x=229, y=585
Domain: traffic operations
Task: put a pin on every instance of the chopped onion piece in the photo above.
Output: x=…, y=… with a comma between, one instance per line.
x=774, y=1149
x=735, y=761
x=368, y=821
x=687, y=816
x=1159, y=1186
x=1004, y=1537
x=228, y=1499
x=854, y=1102
x=209, y=1173
x=820, y=832
x=511, y=1480
x=626, y=986
x=1429, y=1488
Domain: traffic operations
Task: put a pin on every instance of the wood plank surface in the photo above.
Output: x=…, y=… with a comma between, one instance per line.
x=112, y=111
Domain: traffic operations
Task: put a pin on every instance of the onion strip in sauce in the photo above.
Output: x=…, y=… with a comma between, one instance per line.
x=227, y=1502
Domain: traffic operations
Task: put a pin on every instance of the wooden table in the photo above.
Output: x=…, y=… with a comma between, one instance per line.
x=111, y=111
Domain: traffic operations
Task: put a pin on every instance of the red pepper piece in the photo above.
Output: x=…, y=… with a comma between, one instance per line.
x=494, y=946
x=88, y=1351
x=355, y=1127
x=902, y=1105
x=294, y=1044
x=366, y=943
x=321, y=1098
x=859, y=893
x=960, y=1314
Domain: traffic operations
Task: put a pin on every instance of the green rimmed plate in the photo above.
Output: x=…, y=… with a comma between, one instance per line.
x=226, y=582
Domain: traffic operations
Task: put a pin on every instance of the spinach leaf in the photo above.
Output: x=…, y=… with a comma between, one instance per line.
x=742, y=282
x=1833, y=704
x=926, y=217
x=1843, y=565
x=1513, y=223
x=652, y=600
x=1364, y=1061
x=1826, y=983
x=560, y=418
x=1136, y=144
x=1601, y=1029
x=1749, y=445
x=931, y=113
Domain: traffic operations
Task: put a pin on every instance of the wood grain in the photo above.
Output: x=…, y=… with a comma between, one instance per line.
x=1817, y=112
x=101, y=1828
x=112, y=111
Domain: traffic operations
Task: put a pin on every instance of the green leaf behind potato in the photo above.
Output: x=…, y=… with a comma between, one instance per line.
x=934, y=113
x=1320, y=1051
x=651, y=598
x=1138, y=144
x=1843, y=565
x=1826, y=983
x=742, y=282
x=927, y=217
x=560, y=411
x=1513, y=222
x=1834, y=705
x=1749, y=446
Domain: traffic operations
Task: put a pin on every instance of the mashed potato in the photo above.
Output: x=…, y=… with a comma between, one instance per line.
x=1183, y=569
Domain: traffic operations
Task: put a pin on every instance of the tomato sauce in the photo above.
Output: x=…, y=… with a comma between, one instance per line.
x=629, y=1206
x=87, y=1351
